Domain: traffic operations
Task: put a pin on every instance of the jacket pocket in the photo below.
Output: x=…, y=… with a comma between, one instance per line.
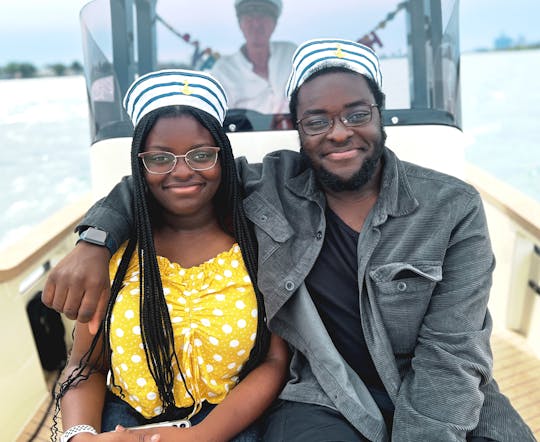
x=271, y=227
x=402, y=293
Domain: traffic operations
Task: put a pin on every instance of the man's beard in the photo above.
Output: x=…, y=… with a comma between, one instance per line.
x=359, y=179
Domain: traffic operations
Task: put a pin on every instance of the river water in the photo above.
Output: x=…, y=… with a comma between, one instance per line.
x=44, y=135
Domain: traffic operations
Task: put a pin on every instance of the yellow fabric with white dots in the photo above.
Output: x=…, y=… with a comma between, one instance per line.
x=213, y=311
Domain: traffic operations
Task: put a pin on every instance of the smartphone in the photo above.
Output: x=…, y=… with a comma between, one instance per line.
x=183, y=423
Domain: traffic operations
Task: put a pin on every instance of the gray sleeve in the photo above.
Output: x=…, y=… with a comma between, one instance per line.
x=113, y=214
x=249, y=174
x=442, y=392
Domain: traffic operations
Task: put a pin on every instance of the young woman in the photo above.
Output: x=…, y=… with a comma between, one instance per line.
x=184, y=336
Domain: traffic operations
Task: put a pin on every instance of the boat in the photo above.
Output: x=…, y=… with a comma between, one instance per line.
x=418, y=43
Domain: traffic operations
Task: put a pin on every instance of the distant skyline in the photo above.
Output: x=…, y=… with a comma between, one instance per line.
x=45, y=32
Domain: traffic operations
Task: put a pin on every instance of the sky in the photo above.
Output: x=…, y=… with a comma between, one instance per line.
x=47, y=31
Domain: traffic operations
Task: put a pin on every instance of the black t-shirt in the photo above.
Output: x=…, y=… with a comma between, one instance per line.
x=333, y=285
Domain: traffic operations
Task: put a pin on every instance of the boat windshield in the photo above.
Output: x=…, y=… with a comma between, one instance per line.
x=249, y=51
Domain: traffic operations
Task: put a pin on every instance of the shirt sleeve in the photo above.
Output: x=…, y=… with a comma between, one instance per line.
x=113, y=214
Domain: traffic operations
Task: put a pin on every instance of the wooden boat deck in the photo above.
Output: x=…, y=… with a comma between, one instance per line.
x=516, y=370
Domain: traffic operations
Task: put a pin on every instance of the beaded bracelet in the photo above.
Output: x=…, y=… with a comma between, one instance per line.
x=76, y=430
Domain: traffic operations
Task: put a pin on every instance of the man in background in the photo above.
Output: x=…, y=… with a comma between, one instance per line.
x=255, y=76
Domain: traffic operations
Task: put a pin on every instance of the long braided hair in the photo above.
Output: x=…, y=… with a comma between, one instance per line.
x=156, y=328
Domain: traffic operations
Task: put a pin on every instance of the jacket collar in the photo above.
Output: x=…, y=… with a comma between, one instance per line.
x=305, y=185
x=396, y=196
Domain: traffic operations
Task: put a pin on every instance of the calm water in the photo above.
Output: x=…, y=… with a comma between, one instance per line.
x=44, y=140
x=501, y=116
x=44, y=135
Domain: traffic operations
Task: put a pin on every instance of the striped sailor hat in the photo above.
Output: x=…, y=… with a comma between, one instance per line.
x=321, y=53
x=172, y=87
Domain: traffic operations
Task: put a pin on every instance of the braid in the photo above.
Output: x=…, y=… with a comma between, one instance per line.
x=227, y=203
x=228, y=200
x=156, y=328
x=85, y=368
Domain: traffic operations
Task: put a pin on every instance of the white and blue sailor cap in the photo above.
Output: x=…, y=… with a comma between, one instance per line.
x=172, y=87
x=321, y=53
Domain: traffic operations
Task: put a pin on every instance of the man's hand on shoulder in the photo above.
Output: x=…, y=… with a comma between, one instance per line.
x=79, y=285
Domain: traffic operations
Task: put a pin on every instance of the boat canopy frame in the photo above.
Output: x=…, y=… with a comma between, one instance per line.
x=121, y=41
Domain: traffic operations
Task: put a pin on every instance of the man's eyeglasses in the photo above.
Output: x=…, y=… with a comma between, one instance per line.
x=319, y=124
x=160, y=163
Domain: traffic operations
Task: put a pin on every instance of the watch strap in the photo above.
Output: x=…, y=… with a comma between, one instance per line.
x=99, y=237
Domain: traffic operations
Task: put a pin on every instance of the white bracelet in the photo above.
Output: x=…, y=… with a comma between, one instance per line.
x=76, y=430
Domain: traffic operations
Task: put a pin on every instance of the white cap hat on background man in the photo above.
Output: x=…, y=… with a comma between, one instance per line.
x=268, y=7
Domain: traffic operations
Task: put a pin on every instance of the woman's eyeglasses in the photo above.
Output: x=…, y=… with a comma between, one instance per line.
x=160, y=163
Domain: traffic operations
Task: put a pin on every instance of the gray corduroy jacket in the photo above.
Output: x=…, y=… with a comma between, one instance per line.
x=424, y=272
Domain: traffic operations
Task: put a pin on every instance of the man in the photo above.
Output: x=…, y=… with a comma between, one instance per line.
x=375, y=271
x=255, y=76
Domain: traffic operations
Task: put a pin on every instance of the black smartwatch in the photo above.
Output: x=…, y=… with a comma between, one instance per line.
x=98, y=237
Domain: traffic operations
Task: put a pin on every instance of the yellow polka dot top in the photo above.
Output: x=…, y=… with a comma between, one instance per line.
x=213, y=311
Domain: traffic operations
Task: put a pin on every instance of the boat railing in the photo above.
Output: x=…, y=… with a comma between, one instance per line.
x=514, y=223
x=24, y=267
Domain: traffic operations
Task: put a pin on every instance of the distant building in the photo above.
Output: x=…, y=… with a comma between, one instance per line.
x=503, y=42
